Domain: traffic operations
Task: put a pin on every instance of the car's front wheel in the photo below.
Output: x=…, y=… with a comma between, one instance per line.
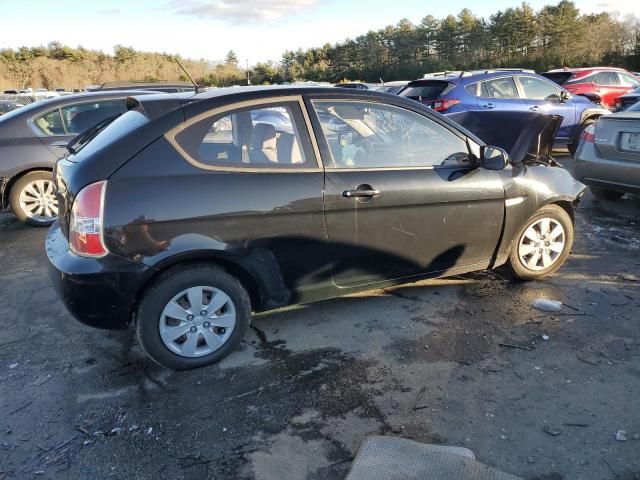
x=193, y=316
x=33, y=200
x=543, y=245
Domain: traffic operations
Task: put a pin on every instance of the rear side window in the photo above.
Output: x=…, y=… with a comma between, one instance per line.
x=473, y=89
x=606, y=78
x=262, y=136
x=500, y=88
x=425, y=90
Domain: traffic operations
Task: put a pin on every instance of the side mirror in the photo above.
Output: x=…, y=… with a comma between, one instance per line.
x=493, y=158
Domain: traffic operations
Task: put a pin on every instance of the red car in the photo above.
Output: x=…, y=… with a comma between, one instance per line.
x=600, y=84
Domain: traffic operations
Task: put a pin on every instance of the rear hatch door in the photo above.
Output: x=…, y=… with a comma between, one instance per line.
x=427, y=91
x=558, y=77
x=96, y=154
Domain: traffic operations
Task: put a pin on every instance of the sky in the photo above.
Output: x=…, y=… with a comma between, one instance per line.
x=257, y=30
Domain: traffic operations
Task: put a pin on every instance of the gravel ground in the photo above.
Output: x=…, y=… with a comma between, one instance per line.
x=460, y=361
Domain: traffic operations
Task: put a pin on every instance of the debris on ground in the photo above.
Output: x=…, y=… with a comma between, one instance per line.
x=545, y=337
x=12, y=366
x=545, y=305
x=621, y=436
x=551, y=430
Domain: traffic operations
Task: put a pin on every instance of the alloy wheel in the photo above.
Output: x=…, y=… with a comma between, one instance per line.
x=197, y=321
x=541, y=244
x=38, y=201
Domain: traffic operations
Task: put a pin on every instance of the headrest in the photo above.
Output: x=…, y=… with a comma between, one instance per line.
x=263, y=137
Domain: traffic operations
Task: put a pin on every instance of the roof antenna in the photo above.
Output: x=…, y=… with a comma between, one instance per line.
x=187, y=74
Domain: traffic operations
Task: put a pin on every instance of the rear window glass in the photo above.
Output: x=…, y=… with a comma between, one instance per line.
x=558, y=77
x=114, y=130
x=500, y=88
x=425, y=90
x=634, y=108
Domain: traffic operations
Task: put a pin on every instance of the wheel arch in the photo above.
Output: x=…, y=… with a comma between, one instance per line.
x=10, y=182
x=244, y=276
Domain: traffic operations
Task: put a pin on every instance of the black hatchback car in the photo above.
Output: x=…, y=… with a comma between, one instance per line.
x=189, y=212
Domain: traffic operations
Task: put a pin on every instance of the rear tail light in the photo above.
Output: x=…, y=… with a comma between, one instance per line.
x=85, y=226
x=588, y=134
x=444, y=105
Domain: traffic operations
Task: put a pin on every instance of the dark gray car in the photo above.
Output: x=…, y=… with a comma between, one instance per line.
x=33, y=137
x=608, y=158
x=628, y=100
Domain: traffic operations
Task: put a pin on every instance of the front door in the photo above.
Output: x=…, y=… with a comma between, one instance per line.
x=402, y=196
x=545, y=97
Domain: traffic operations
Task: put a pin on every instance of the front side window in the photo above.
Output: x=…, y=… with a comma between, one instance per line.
x=606, y=79
x=81, y=116
x=372, y=135
x=537, y=89
x=261, y=136
x=500, y=88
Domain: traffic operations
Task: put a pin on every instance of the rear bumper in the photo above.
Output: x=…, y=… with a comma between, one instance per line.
x=99, y=292
x=592, y=169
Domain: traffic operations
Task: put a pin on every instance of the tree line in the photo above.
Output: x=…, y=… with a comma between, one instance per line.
x=555, y=36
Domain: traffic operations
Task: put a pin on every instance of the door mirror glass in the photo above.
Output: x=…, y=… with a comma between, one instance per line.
x=494, y=158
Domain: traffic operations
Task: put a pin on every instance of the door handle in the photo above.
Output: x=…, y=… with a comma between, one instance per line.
x=534, y=108
x=488, y=105
x=60, y=143
x=360, y=193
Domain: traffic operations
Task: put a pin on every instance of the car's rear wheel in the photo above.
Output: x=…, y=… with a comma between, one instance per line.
x=573, y=146
x=193, y=316
x=543, y=245
x=33, y=200
x=605, y=194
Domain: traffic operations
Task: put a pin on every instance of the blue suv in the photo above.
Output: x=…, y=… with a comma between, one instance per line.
x=506, y=89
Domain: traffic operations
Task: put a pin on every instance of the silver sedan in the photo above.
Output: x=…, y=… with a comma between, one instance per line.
x=608, y=158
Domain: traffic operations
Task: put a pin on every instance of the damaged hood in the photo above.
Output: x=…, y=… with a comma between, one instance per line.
x=526, y=136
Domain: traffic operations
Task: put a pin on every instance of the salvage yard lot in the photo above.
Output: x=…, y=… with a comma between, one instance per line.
x=460, y=361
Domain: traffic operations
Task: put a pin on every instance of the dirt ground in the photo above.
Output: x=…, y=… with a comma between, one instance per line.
x=460, y=361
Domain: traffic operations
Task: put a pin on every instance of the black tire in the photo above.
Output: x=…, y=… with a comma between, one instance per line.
x=557, y=214
x=573, y=146
x=605, y=194
x=14, y=198
x=170, y=284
